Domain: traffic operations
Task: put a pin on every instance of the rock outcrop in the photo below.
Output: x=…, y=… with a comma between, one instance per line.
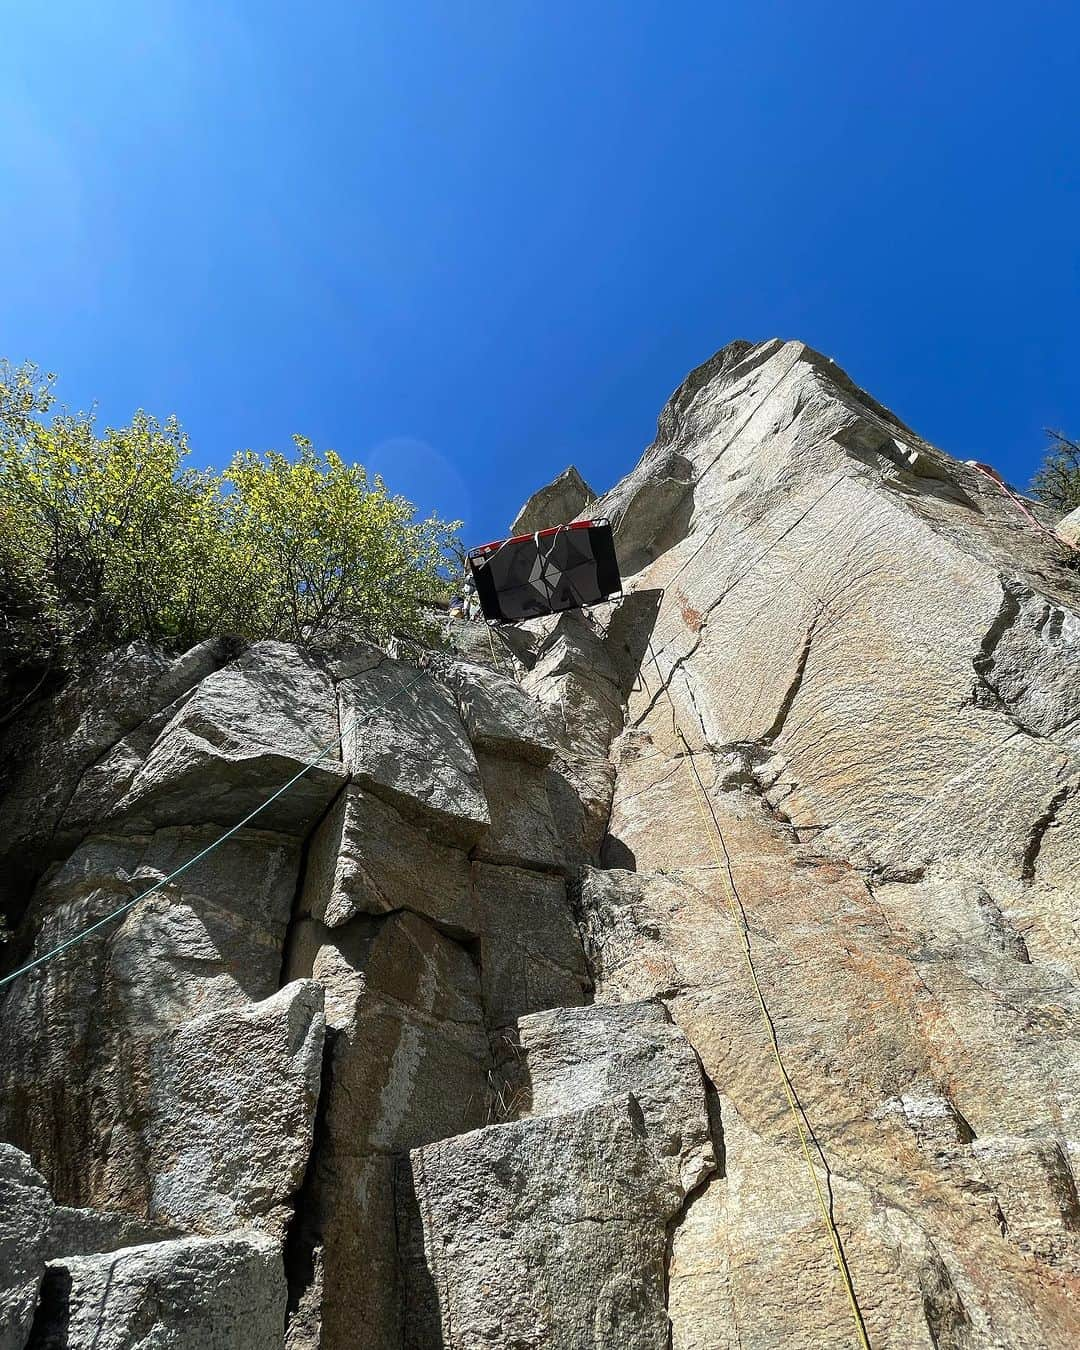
x=1068, y=528
x=562, y=501
x=24, y=1234
x=632, y=991
x=547, y=1232
x=220, y=1293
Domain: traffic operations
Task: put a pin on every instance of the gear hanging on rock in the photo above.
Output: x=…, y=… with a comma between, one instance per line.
x=567, y=567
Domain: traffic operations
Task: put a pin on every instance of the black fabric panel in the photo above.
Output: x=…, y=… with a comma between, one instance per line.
x=608, y=578
x=577, y=586
x=513, y=564
x=523, y=602
x=530, y=577
x=567, y=549
x=486, y=592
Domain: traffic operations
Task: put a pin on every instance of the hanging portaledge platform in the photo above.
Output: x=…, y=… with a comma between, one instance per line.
x=567, y=567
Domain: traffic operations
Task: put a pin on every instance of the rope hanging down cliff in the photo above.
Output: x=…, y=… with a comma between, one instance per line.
x=992, y=475
x=323, y=751
x=711, y=827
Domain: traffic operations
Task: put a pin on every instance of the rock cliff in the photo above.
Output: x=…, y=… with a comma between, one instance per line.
x=700, y=973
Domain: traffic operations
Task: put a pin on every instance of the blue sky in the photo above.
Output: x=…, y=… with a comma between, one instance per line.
x=469, y=243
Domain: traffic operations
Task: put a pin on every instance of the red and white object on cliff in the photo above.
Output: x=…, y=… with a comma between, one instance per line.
x=566, y=567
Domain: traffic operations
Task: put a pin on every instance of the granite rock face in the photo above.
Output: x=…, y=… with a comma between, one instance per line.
x=505, y=1024
x=228, y=1148
x=271, y=1009
x=220, y=1293
x=570, y=1059
x=366, y=858
x=873, y=662
x=544, y=1233
x=85, y=1038
x=73, y=759
x=404, y=740
x=258, y=721
x=1068, y=528
x=25, y=1216
x=564, y=498
x=408, y=1062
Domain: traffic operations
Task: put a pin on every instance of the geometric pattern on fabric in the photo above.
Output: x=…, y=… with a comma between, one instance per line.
x=545, y=573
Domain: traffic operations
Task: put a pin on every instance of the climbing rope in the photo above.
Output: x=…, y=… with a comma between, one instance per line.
x=160, y=885
x=994, y=477
x=711, y=827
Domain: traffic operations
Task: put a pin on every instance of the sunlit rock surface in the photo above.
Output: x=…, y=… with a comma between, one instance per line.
x=484, y=1033
x=25, y=1218
x=560, y=502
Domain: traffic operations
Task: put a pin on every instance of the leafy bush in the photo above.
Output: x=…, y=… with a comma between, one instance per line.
x=109, y=537
x=326, y=550
x=1057, y=482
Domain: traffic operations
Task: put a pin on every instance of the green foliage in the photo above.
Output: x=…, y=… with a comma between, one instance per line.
x=109, y=537
x=325, y=549
x=1057, y=481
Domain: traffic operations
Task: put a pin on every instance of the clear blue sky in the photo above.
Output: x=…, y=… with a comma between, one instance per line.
x=469, y=243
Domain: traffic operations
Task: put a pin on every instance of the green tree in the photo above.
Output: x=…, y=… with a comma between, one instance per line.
x=107, y=537
x=328, y=550
x=28, y=631
x=1057, y=481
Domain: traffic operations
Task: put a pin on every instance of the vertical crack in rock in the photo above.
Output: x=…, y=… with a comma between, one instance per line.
x=716, y=1173
x=792, y=691
x=706, y=614
x=302, y=1246
x=985, y=693
x=297, y=911
x=408, y=1060
x=665, y=680
x=1044, y=822
x=513, y=1144
x=689, y=684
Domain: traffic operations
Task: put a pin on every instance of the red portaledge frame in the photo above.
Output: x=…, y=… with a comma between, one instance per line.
x=540, y=534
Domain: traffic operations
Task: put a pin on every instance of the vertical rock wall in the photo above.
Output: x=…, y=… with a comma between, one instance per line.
x=255, y=1052
x=875, y=660
x=458, y=1043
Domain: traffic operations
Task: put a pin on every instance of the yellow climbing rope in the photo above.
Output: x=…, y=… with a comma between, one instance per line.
x=722, y=858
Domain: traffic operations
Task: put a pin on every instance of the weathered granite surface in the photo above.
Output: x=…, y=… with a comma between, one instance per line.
x=875, y=661
x=1068, y=527
x=564, y=498
x=25, y=1216
x=215, y=1293
x=459, y=1045
x=569, y=1059
x=549, y=1232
